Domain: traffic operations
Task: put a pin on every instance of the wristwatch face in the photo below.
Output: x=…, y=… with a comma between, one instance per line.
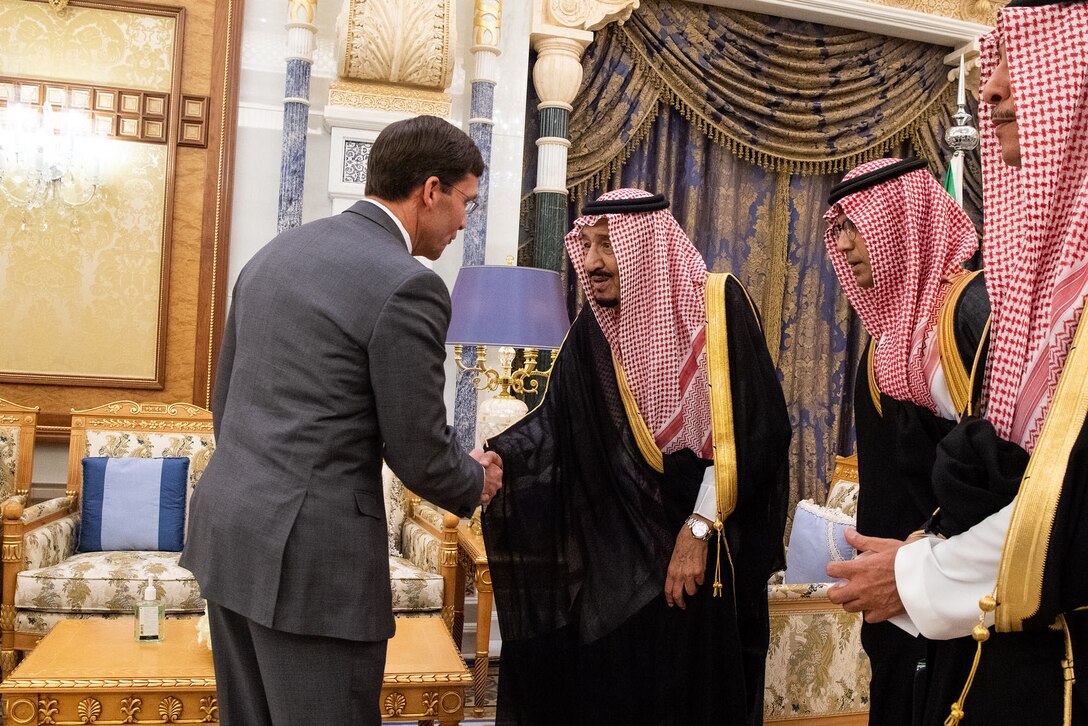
x=699, y=529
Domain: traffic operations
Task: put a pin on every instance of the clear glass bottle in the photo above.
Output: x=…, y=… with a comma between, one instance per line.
x=150, y=614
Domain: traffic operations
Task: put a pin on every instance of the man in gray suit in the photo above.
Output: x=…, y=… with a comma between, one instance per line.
x=332, y=360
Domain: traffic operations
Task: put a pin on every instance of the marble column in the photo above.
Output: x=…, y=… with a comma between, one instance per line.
x=296, y=111
x=487, y=21
x=556, y=76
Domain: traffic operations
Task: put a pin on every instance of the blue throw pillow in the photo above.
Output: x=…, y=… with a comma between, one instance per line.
x=817, y=538
x=133, y=504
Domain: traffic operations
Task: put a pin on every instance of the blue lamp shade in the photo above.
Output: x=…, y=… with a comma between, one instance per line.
x=522, y=307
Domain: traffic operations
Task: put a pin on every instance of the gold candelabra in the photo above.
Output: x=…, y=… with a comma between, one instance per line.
x=523, y=380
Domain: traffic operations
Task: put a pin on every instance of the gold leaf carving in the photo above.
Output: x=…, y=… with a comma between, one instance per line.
x=170, y=709
x=210, y=708
x=145, y=424
x=301, y=11
x=43, y=684
x=47, y=710
x=21, y=710
x=89, y=709
x=430, y=703
x=399, y=99
x=486, y=22
x=7, y=661
x=129, y=708
x=395, y=703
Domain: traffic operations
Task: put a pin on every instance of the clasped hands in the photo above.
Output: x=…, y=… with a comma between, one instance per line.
x=868, y=580
x=492, y=464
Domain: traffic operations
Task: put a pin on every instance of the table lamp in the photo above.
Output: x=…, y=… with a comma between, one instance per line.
x=510, y=307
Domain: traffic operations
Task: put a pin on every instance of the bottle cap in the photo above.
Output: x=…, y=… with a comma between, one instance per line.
x=149, y=591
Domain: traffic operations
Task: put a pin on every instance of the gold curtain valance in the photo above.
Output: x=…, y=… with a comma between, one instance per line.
x=788, y=96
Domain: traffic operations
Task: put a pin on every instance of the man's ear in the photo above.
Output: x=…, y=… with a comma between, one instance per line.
x=430, y=190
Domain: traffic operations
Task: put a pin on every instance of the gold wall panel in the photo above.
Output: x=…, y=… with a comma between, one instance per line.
x=81, y=44
x=198, y=186
x=82, y=297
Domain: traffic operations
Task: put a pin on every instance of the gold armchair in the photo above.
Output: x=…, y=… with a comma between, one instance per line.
x=45, y=580
x=17, y=426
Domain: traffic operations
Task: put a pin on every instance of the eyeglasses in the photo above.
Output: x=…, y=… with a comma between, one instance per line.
x=845, y=226
x=471, y=205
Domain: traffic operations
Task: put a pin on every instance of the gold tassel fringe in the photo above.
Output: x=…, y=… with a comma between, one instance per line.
x=583, y=186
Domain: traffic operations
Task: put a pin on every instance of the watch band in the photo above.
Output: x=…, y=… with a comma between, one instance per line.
x=691, y=523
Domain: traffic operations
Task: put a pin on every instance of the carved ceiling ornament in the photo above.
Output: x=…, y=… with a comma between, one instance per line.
x=587, y=14
x=405, y=42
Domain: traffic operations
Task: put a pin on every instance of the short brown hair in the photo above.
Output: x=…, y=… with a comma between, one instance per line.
x=408, y=152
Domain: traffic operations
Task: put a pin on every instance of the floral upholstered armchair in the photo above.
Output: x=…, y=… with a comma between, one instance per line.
x=17, y=425
x=816, y=668
x=47, y=580
x=422, y=554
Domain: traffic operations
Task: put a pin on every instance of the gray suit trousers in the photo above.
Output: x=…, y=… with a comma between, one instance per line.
x=267, y=677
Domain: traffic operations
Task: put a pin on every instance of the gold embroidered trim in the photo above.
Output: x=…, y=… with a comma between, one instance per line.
x=721, y=395
x=1020, y=576
x=956, y=376
x=874, y=385
x=982, y=346
x=721, y=415
x=645, y=440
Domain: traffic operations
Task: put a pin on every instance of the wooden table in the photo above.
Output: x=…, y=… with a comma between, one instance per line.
x=92, y=671
x=425, y=678
x=473, y=555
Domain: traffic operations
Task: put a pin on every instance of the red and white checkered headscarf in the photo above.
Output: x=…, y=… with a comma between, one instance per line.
x=1036, y=236
x=658, y=331
x=917, y=237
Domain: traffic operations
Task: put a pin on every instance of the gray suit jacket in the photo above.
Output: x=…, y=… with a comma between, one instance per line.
x=332, y=358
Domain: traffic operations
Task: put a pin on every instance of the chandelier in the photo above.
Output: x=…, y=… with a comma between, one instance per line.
x=49, y=161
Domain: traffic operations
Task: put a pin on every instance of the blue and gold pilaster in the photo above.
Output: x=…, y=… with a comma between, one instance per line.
x=487, y=21
x=296, y=111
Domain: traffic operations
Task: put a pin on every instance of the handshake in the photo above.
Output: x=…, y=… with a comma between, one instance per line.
x=492, y=464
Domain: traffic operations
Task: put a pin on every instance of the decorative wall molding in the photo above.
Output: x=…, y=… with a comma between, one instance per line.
x=389, y=98
x=897, y=22
x=348, y=155
x=194, y=121
x=123, y=113
x=396, y=41
x=584, y=14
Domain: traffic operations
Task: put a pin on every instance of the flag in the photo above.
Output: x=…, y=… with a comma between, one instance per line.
x=950, y=180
